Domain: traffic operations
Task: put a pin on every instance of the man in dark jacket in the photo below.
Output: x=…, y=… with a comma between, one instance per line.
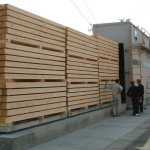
x=133, y=94
x=140, y=94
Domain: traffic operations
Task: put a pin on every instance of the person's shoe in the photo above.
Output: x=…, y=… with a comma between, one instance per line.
x=114, y=115
x=137, y=114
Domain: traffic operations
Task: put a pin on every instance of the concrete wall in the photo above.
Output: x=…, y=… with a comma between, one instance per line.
x=143, y=58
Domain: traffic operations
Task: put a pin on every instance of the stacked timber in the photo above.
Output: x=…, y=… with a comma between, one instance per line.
x=108, y=55
x=82, y=71
x=48, y=71
x=32, y=54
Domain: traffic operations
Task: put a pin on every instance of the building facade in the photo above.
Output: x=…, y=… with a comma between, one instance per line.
x=136, y=50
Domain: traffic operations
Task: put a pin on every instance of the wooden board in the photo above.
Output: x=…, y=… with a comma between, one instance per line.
x=82, y=95
x=37, y=114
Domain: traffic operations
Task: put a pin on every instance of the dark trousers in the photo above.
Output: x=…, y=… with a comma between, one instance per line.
x=135, y=104
x=141, y=104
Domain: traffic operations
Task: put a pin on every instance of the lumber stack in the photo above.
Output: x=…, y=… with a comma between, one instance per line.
x=108, y=54
x=48, y=71
x=82, y=70
x=32, y=75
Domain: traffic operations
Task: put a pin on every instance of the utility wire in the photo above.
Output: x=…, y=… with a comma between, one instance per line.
x=80, y=12
x=89, y=9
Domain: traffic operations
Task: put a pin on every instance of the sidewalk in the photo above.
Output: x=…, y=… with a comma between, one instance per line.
x=114, y=133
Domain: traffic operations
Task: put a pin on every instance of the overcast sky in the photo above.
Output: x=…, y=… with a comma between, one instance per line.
x=95, y=11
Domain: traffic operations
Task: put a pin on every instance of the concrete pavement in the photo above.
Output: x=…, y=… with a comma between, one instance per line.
x=113, y=133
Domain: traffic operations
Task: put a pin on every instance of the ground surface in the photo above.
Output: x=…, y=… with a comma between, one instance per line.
x=126, y=132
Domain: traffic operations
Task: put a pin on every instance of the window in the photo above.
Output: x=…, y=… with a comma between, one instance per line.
x=135, y=62
x=146, y=65
x=135, y=35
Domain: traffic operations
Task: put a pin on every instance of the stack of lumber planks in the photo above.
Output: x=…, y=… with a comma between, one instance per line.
x=32, y=76
x=48, y=70
x=82, y=70
x=108, y=54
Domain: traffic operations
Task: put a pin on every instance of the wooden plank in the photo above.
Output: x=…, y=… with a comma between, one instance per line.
x=101, y=64
x=83, y=89
x=81, y=36
x=82, y=76
x=32, y=71
x=33, y=90
x=108, y=57
x=42, y=55
x=50, y=46
x=24, y=110
x=82, y=93
x=73, y=52
x=22, y=14
x=109, y=53
x=108, y=65
x=10, y=85
x=106, y=97
x=82, y=80
x=69, y=67
x=81, y=48
x=31, y=60
x=39, y=29
x=28, y=49
x=52, y=34
x=20, y=33
x=20, y=39
x=104, y=82
x=105, y=93
x=82, y=85
x=107, y=61
x=82, y=97
x=106, y=100
x=30, y=42
x=27, y=18
x=31, y=115
x=109, y=78
x=30, y=76
x=83, y=105
x=103, y=67
x=108, y=75
x=109, y=71
x=30, y=103
x=3, y=18
x=34, y=37
x=31, y=55
x=84, y=61
x=107, y=50
x=100, y=38
x=85, y=43
x=85, y=101
x=3, y=12
x=81, y=72
x=21, y=98
x=107, y=45
x=72, y=63
x=32, y=66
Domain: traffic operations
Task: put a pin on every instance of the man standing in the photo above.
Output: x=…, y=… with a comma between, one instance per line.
x=116, y=93
x=133, y=94
x=140, y=94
